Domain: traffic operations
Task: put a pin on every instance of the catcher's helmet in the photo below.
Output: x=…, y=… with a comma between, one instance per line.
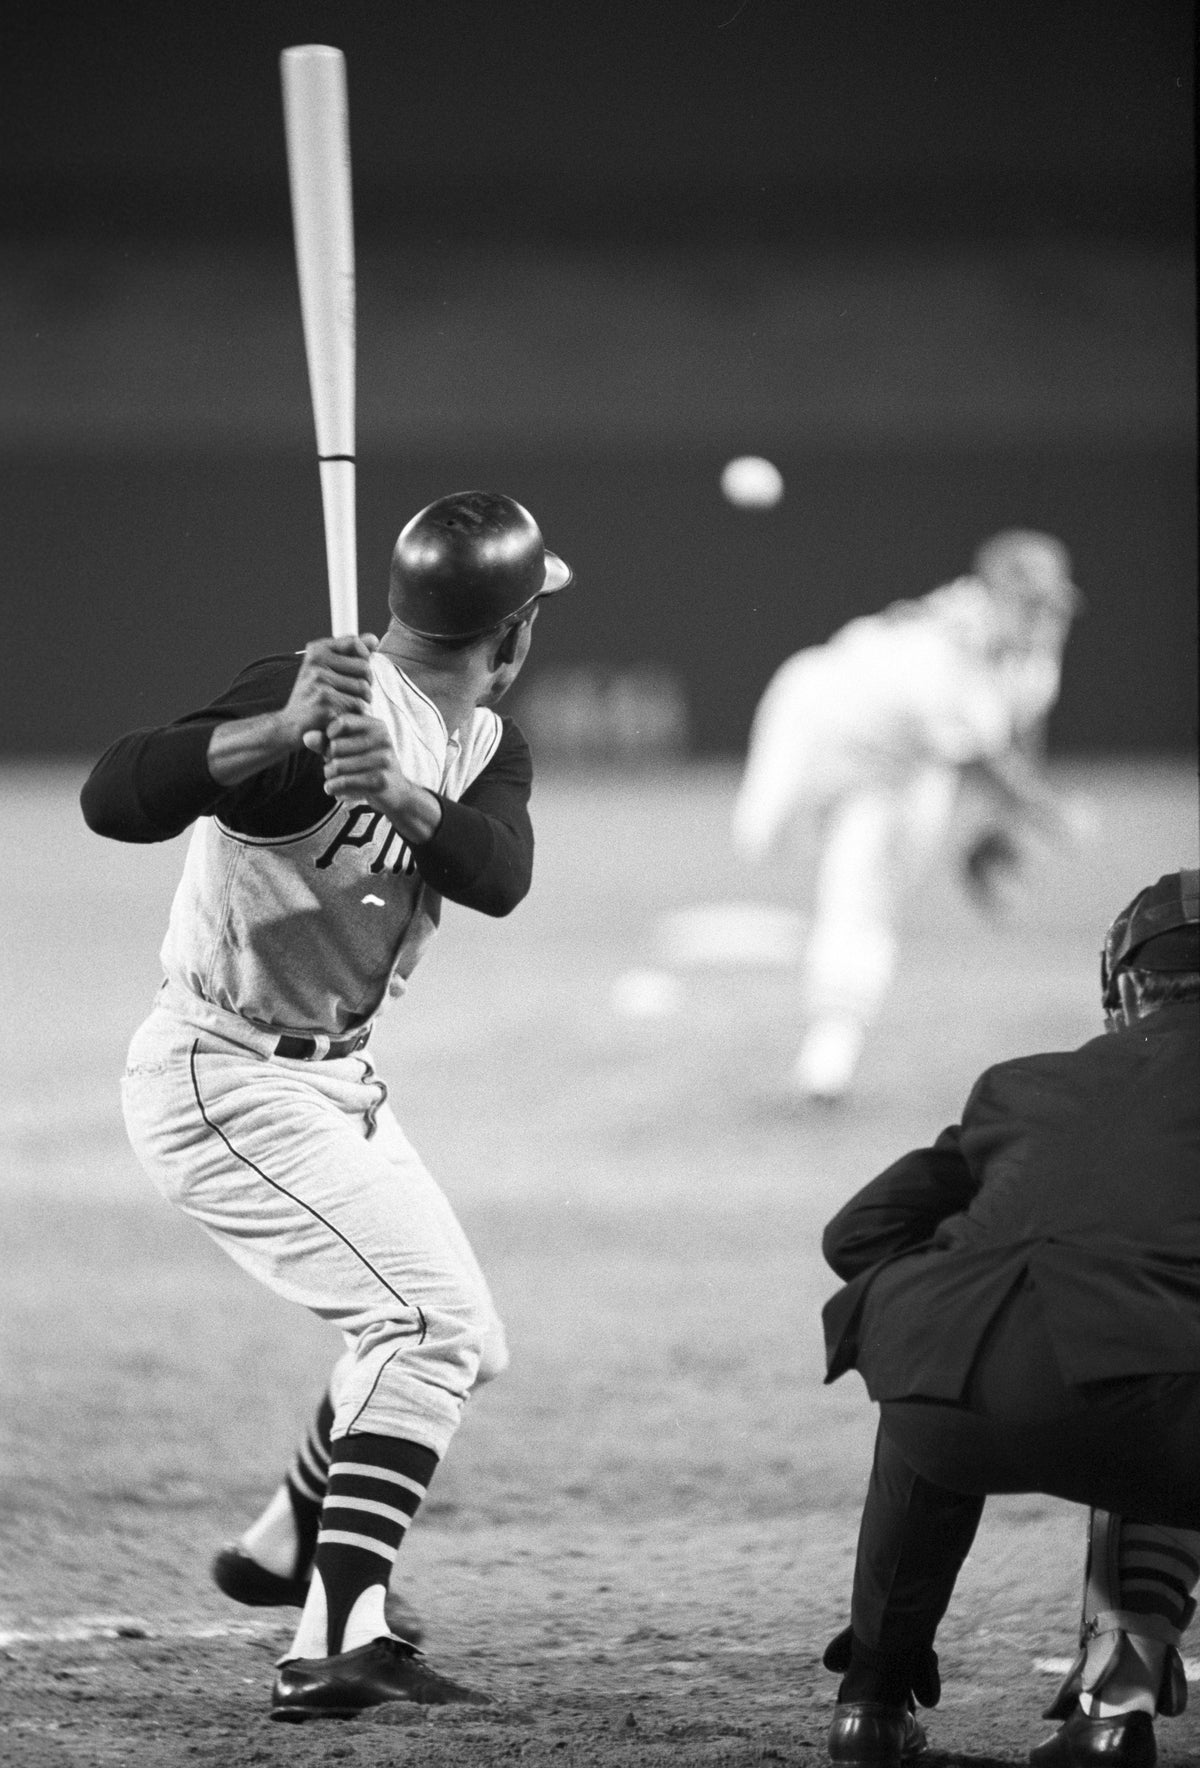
x=1159, y=930
x=464, y=564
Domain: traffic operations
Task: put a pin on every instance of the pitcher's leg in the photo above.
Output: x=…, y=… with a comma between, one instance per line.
x=850, y=956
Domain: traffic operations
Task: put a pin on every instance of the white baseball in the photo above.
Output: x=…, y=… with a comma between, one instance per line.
x=752, y=483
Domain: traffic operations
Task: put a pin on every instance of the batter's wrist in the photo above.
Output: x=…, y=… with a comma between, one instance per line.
x=416, y=814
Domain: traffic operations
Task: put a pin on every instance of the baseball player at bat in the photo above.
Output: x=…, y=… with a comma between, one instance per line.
x=337, y=797
x=1022, y=1300
x=859, y=753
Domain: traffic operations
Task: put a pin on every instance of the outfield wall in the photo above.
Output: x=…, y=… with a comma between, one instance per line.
x=158, y=483
x=138, y=581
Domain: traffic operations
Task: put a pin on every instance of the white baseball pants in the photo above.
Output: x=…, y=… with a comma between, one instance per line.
x=875, y=842
x=300, y=1171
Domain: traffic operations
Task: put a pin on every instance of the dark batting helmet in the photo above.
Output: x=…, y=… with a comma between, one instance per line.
x=466, y=563
x=1159, y=930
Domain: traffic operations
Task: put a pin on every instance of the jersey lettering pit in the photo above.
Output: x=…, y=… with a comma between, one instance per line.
x=351, y=835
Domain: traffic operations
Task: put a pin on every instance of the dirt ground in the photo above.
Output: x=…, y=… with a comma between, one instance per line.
x=642, y=1536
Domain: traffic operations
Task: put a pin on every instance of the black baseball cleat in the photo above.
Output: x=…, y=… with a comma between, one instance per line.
x=874, y=1734
x=339, y=1687
x=246, y=1581
x=1124, y=1741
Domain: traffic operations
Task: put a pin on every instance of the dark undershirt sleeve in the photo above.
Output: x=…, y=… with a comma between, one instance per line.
x=151, y=784
x=481, y=853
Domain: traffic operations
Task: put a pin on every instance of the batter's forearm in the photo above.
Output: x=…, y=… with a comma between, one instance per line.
x=242, y=747
x=417, y=816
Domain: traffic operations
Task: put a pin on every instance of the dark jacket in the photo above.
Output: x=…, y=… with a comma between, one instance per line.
x=1079, y=1171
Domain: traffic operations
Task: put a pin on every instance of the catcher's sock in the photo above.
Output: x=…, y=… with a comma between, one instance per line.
x=284, y=1537
x=1133, y=1683
x=1158, y=1569
x=376, y=1484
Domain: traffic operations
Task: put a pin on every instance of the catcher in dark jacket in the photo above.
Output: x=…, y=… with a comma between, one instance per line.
x=1022, y=1300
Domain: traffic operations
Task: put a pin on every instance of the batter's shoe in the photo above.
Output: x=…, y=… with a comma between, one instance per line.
x=1124, y=1741
x=874, y=1734
x=339, y=1687
x=246, y=1581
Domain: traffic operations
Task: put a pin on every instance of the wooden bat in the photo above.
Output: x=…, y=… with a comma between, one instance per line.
x=317, y=132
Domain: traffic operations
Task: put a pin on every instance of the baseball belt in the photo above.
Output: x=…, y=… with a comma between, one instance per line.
x=301, y=1048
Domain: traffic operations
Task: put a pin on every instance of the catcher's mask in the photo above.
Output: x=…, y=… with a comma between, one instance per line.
x=1159, y=930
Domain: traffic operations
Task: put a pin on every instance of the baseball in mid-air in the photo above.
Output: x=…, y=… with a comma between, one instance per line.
x=752, y=483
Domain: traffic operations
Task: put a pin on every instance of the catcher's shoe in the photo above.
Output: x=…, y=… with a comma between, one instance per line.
x=242, y=1578
x=1123, y=1741
x=338, y=1687
x=874, y=1734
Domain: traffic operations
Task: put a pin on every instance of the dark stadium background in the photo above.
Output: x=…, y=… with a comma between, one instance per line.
x=935, y=260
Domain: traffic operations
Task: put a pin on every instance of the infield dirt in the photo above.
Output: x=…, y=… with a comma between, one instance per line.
x=642, y=1536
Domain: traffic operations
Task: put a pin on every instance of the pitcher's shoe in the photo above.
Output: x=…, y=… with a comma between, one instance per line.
x=246, y=1581
x=338, y=1687
x=1124, y=1741
x=874, y=1734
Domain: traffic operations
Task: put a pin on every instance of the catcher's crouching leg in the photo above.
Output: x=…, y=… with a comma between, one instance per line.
x=1137, y=1603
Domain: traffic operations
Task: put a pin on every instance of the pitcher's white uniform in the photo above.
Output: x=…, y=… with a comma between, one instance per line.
x=860, y=744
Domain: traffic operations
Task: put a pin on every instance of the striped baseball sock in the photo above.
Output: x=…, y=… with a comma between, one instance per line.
x=376, y=1484
x=1159, y=1568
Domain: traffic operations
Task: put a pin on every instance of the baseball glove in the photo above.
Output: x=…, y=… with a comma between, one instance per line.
x=991, y=859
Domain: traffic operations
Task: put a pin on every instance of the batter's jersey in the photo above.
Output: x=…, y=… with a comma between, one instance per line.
x=295, y=911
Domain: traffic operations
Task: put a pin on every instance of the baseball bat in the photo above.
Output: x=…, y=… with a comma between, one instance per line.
x=317, y=132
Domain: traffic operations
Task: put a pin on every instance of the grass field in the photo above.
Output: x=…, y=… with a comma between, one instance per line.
x=642, y=1537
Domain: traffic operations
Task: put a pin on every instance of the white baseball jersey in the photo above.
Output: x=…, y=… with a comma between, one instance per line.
x=296, y=912
x=888, y=695
x=312, y=931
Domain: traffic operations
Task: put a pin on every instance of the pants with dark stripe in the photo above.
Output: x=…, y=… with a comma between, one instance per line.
x=302, y=1174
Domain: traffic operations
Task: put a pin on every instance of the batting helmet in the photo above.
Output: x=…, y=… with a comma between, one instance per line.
x=1160, y=930
x=464, y=564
